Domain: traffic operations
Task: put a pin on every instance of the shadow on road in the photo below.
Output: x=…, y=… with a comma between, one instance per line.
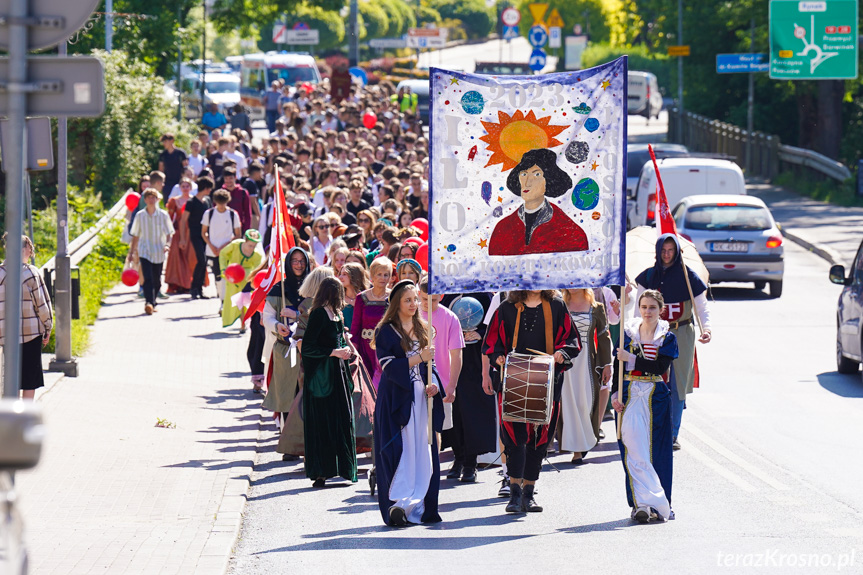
x=607, y=526
x=737, y=294
x=337, y=540
x=845, y=385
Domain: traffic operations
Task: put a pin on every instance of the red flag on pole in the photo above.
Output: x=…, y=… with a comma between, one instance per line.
x=281, y=241
x=664, y=222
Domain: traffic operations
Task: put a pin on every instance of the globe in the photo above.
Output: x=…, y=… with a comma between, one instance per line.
x=469, y=312
x=472, y=102
x=585, y=196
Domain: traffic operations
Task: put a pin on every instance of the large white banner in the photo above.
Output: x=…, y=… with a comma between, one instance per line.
x=528, y=180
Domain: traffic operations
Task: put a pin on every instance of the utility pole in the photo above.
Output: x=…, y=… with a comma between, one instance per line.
x=750, y=102
x=109, y=25
x=180, y=64
x=680, y=109
x=203, y=81
x=63, y=360
x=15, y=161
x=353, y=36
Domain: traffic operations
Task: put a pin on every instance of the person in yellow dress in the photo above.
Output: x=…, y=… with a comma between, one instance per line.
x=247, y=252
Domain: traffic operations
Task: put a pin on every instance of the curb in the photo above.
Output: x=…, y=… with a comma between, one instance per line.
x=821, y=251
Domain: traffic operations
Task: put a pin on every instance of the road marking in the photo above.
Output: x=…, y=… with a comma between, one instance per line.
x=729, y=475
x=736, y=459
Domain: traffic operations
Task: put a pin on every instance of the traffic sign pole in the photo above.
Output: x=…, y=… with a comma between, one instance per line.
x=750, y=102
x=680, y=109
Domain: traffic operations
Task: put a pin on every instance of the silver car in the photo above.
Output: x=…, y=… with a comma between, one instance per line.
x=736, y=237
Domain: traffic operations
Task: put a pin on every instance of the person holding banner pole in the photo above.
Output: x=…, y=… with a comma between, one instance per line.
x=643, y=403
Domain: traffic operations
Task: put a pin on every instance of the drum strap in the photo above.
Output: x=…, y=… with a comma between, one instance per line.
x=549, y=332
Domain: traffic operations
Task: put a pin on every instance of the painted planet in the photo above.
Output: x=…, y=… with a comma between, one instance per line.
x=577, y=152
x=472, y=102
x=591, y=124
x=498, y=212
x=450, y=248
x=585, y=196
x=581, y=109
x=595, y=215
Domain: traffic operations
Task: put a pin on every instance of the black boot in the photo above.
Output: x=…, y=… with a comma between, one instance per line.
x=455, y=470
x=528, y=503
x=469, y=475
x=514, y=505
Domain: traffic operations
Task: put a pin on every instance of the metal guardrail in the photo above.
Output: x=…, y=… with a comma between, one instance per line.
x=814, y=160
x=80, y=247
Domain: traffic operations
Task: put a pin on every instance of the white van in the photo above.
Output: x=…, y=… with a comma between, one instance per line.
x=259, y=71
x=643, y=95
x=682, y=177
x=220, y=88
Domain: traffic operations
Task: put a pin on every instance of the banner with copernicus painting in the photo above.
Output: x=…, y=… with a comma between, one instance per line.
x=528, y=180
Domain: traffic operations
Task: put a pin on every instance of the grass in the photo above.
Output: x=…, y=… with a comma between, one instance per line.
x=99, y=272
x=831, y=191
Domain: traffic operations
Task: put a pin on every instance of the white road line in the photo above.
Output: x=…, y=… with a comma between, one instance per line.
x=734, y=458
x=729, y=475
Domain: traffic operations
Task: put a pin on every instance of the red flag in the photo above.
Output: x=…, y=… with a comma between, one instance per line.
x=281, y=241
x=664, y=222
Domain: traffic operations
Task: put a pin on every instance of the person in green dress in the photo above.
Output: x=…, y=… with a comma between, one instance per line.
x=248, y=253
x=330, y=446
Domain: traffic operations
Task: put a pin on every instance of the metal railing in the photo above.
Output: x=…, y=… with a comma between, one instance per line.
x=769, y=157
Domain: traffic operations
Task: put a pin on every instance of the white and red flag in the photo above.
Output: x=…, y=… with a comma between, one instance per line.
x=664, y=222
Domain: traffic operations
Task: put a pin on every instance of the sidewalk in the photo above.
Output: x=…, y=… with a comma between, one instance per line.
x=115, y=494
x=832, y=232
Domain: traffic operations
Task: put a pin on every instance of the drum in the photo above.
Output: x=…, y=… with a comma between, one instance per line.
x=528, y=388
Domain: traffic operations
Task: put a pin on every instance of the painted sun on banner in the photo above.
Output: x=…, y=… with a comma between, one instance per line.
x=528, y=180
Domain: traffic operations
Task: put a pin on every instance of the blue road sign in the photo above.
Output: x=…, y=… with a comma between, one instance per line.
x=537, y=36
x=741, y=63
x=537, y=60
x=510, y=33
x=301, y=26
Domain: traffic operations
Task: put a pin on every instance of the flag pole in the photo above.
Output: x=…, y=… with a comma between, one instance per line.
x=622, y=364
x=280, y=224
x=431, y=358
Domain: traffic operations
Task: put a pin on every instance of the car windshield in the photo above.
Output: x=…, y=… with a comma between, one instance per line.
x=292, y=75
x=727, y=217
x=223, y=86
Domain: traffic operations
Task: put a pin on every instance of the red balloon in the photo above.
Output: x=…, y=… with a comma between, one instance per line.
x=369, y=120
x=422, y=224
x=417, y=241
x=132, y=200
x=259, y=277
x=235, y=273
x=129, y=277
x=423, y=257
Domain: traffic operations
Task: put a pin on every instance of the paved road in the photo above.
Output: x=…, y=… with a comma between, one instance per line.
x=767, y=467
x=465, y=57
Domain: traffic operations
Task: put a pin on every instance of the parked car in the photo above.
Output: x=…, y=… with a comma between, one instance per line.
x=737, y=238
x=220, y=88
x=849, y=315
x=682, y=177
x=21, y=433
x=421, y=89
x=643, y=95
x=637, y=155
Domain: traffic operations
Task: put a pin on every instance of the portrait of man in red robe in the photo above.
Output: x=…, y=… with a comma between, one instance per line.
x=537, y=226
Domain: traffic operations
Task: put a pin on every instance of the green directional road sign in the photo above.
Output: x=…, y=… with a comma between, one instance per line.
x=813, y=39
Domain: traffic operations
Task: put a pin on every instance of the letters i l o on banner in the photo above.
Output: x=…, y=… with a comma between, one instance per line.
x=528, y=180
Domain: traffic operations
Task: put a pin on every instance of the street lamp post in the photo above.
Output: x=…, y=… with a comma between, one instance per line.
x=680, y=73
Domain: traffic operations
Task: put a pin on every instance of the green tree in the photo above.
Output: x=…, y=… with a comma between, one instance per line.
x=328, y=23
x=375, y=19
x=591, y=14
x=478, y=19
x=245, y=15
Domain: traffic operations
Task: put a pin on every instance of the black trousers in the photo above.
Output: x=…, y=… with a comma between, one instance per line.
x=455, y=437
x=256, y=344
x=152, y=273
x=216, y=266
x=200, y=271
x=526, y=445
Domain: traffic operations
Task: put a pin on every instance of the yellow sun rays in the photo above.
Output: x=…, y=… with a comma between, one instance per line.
x=512, y=136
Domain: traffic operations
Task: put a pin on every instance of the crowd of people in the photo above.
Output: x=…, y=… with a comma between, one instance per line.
x=352, y=351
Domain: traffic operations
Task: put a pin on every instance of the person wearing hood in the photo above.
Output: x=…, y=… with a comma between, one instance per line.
x=667, y=277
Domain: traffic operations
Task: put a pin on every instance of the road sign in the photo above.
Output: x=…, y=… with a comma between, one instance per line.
x=813, y=40
x=575, y=46
x=554, y=20
x=40, y=143
x=359, y=74
x=57, y=20
x=510, y=17
x=389, y=43
x=510, y=33
x=678, y=50
x=73, y=86
x=537, y=36
x=428, y=32
x=537, y=11
x=537, y=60
x=280, y=33
x=301, y=26
x=554, y=37
x=302, y=37
x=741, y=63
x=427, y=41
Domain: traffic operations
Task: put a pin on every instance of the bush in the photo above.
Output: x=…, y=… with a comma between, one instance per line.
x=640, y=58
x=477, y=18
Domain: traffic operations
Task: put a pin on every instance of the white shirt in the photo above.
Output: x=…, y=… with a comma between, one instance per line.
x=153, y=232
x=240, y=159
x=320, y=250
x=197, y=163
x=221, y=226
x=176, y=192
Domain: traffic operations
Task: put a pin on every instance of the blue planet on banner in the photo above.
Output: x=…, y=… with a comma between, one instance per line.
x=591, y=124
x=585, y=196
x=472, y=102
x=469, y=312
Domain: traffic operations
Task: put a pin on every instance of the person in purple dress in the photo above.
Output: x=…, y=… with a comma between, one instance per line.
x=369, y=308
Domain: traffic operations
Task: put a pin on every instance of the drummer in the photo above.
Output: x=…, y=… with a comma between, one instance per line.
x=530, y=322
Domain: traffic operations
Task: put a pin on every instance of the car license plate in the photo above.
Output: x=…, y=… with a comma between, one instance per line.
x=729, y=247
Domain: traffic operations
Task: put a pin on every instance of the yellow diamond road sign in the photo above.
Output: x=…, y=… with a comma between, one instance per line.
x=554, y=20
x=537, y=11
